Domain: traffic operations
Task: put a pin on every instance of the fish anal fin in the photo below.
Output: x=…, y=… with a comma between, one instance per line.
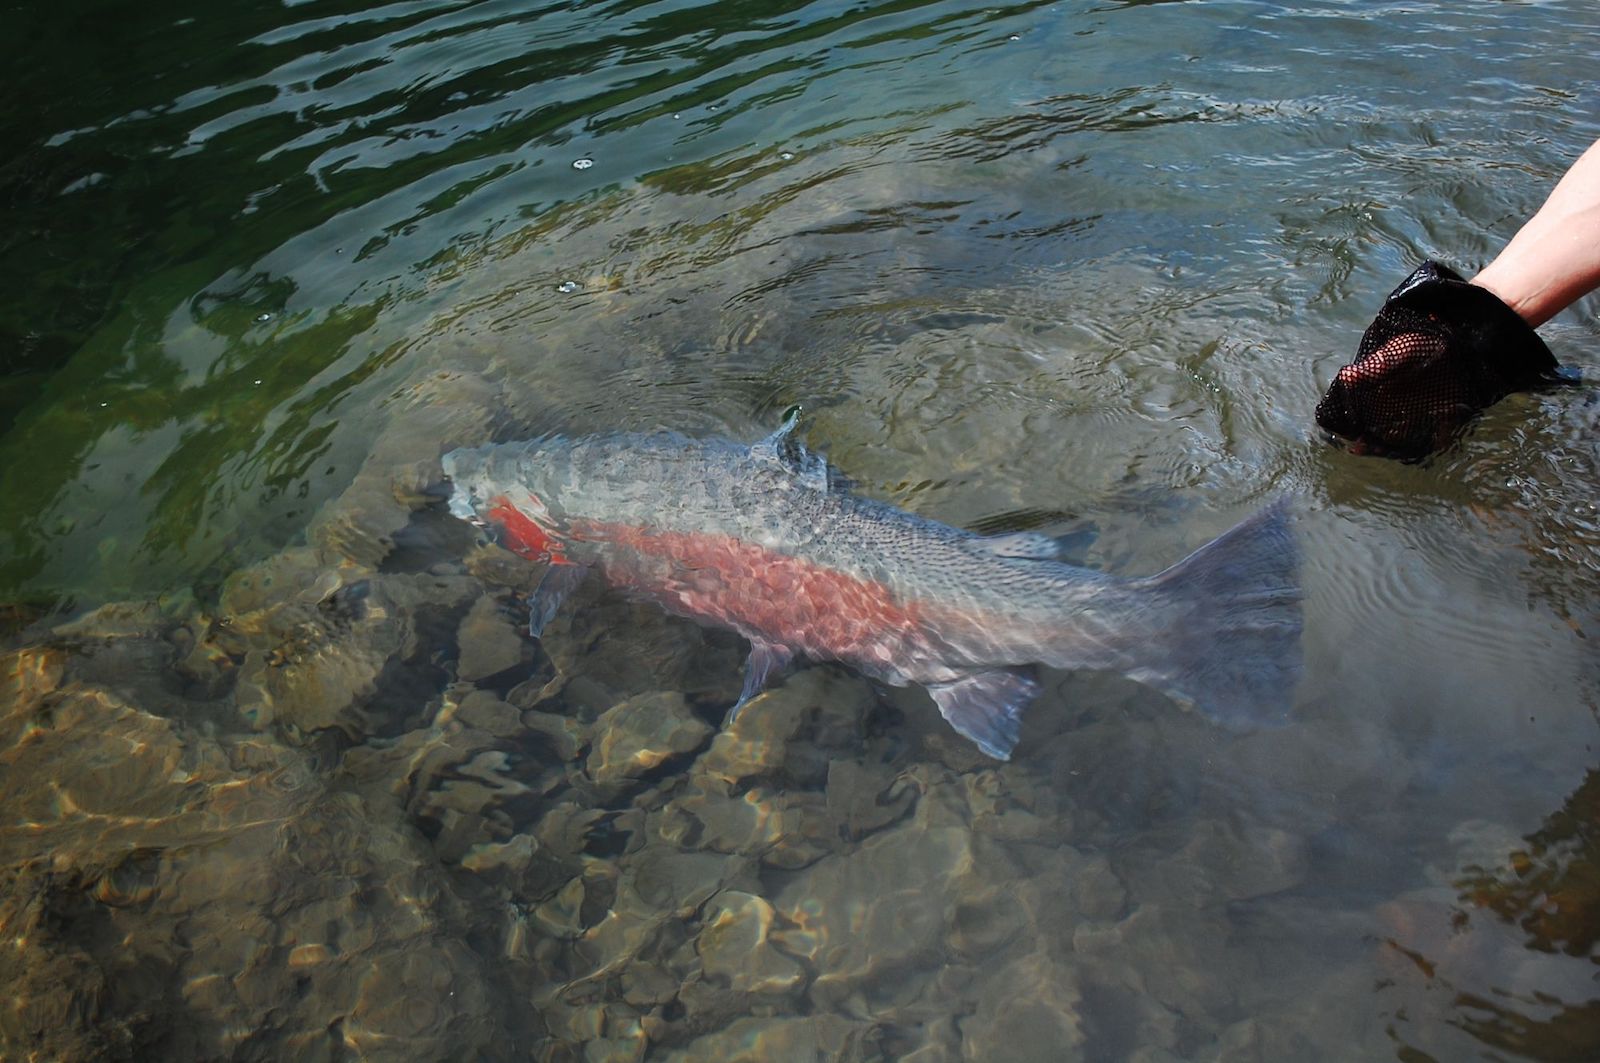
x=765, y=658
x=559, y=581
x=987, y=707
x=1030, y=545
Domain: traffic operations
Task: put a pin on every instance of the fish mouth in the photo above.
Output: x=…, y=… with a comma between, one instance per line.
x=457, y=489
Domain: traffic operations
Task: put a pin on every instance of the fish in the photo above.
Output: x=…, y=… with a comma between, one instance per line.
x=770, y=541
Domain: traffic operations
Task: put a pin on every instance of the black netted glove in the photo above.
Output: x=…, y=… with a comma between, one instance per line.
x=1440, y=350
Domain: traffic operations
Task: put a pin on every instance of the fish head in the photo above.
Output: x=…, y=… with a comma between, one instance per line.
x=471, y=487
x=486, y=492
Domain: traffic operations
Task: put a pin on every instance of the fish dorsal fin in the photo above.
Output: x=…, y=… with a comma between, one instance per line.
x=783, y=448
x=1030, y=545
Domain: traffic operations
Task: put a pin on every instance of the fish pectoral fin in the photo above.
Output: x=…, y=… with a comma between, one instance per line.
x=765, y=658
x=987, y=707
x=559, y=581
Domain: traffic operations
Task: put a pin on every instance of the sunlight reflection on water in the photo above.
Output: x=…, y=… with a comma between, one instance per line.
x=305, y=785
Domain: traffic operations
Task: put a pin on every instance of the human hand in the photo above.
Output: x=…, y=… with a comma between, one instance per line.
x=1439, y=351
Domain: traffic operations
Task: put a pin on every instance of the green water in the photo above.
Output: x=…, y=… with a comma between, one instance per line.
x=282, y=779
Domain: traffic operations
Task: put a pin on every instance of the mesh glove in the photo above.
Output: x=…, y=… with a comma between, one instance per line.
x=1440, y=350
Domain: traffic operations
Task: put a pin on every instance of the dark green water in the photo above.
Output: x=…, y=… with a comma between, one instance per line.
x=281, y=779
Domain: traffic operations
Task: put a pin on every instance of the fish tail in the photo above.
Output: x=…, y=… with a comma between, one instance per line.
x=1233, y=649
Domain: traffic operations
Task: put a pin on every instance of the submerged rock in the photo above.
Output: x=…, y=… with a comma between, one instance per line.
x=793, y=730
x=787, y=830
x=433, y=413
x=490, y=642
x=1031, y=1009
x=733, y=946
x=761, y=1040
x=317, y=642
x=640, y=734
x=877, y=915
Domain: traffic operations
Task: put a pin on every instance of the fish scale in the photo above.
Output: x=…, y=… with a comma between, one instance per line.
x=765, y=540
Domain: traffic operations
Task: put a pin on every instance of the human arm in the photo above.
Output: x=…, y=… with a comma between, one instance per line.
x=1442, y=348
x=1555, y=258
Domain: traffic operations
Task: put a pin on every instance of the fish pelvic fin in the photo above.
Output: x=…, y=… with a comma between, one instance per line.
x=765, y=659
x=987, y=707
x=1232, y=650
x=559, y=581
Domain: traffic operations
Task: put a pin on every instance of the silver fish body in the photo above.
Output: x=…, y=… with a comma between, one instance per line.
x=763, y=539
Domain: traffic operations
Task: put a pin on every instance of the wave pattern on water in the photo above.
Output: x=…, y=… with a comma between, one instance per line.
x=306, y=786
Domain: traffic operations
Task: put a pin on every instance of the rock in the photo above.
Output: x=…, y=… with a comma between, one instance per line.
x=496, y=566
x=316, y=640
x=1242, y=862
x=562, y=915
x=113, y=621
x=878, y=914
x=562, y=735
x=733, y=946
x=762, y=1040
x=865, y=797
x=1029, y=1010
x=484, y=711
x=791, y=730
x=673, y=882
x=639, y=735
x=783, y=830
x=606, y=650
x=509, y=856
x=489, y=642
x=26, y=676
x=646, y=984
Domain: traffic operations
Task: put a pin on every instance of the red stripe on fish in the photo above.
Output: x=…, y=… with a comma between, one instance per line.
x=524, y=535
x=819, y=611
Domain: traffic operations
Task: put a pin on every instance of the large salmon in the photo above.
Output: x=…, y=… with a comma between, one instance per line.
x=765, y=540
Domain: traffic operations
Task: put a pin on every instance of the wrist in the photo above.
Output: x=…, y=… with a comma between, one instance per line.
x=1534, y=304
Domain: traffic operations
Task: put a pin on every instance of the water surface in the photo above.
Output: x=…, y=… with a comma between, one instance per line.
x=284, y=778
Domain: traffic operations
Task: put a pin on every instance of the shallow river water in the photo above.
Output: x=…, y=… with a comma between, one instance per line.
x=283, y=777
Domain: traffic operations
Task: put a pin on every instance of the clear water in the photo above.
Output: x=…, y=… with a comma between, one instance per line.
x=281, y=779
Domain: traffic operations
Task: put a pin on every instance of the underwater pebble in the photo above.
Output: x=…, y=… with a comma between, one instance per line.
x=637, y=735
x=763, y=740
x=490, y=643
x=1030, y=1010
x=564, y=736
x=762, y=1039
x=481, y=709
x=1241, y=863
x=862, y=798
x=734, y=945
x=494, y=856
x=562, y=915
x=29, y=674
